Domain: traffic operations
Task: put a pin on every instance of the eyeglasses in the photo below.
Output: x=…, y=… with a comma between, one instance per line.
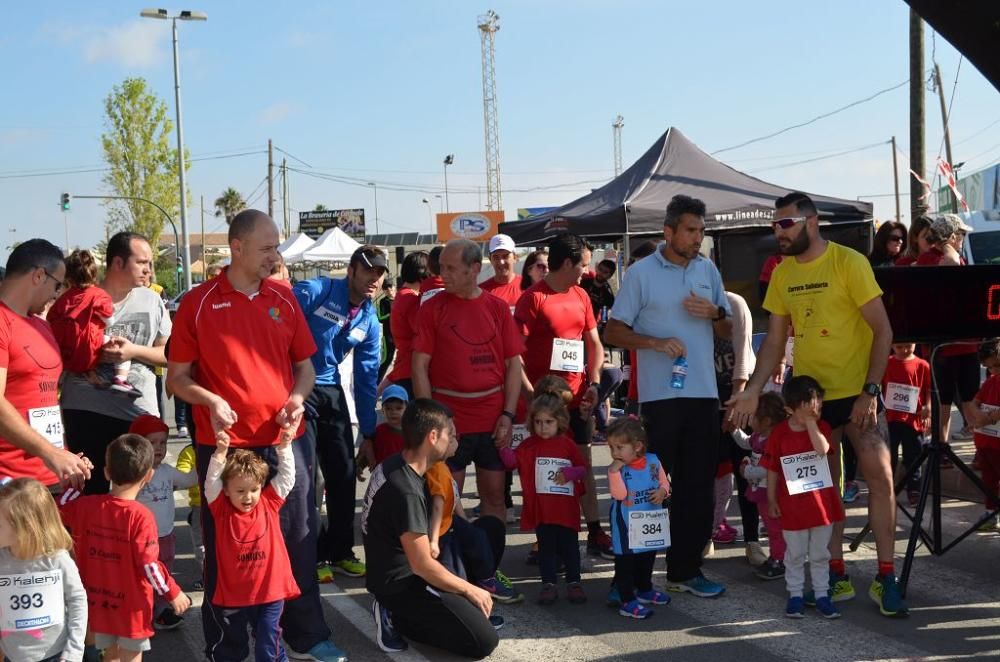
x=785, y=223
x=540, y=265
x=59, y=284
x=895, y=237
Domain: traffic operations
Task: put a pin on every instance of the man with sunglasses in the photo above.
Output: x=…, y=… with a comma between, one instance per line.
x=828, y=293
x=31, y=444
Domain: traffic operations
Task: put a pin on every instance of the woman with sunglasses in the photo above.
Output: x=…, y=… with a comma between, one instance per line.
x=536, y=265
x=889, y=243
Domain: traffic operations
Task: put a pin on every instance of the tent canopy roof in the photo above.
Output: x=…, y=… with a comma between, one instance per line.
x=291, y=249
x=332, y=246
x=635, y=202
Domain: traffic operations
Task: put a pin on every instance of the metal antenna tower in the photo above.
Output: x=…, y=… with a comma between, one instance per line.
x=489, y=23
x=617, y=128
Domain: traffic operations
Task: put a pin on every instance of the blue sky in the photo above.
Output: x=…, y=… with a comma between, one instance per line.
x=381, y=91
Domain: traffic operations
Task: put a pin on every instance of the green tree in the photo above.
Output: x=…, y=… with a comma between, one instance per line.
x=229, y=204
x=321, y=207
x=142, y=163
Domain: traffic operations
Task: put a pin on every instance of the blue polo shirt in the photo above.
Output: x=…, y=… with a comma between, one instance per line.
x=650, y=301
x=327, y=309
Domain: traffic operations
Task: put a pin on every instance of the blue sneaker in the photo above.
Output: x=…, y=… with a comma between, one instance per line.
x=635, y=609
x=324, y=651
x=653, y=597
x=614, y=598
x=385, y=634
x=795, y=608
x=885, y=592
x=851, y=491
x=697, y=585
x=496, y=620
x=826, y=607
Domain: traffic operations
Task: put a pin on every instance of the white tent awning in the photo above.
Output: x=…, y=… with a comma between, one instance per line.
x=333, y=246
x=293, y=248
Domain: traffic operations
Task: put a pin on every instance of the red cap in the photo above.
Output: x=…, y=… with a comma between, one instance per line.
x=147, y=424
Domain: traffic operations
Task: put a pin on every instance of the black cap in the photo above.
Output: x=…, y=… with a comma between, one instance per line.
x=368, y=257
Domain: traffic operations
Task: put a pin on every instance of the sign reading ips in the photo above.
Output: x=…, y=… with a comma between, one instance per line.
x=474, y=225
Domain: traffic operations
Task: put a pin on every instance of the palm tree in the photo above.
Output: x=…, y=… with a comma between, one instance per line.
x=229, y=204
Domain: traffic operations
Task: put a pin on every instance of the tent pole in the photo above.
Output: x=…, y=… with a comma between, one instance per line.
x=627, y=245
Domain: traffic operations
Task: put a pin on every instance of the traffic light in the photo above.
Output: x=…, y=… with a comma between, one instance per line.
x=180, y=265
x=65, y=201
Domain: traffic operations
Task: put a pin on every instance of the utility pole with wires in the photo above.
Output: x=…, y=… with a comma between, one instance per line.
x=917, y=148
x=204, y=251
x=617, y=128
x=895, y=180
x=489, y=23
x=284, y=196
x=270, y=179
x=947, y=131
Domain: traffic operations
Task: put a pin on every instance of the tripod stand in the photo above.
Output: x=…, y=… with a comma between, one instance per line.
x=929, y=461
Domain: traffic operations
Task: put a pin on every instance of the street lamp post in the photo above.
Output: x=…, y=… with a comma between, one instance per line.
x=448, y=160
x=430, y=214
x=440, y=202
x=183, y=16
x=375, y=188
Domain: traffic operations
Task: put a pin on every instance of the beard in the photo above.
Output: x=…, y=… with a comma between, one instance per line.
x=796, y=246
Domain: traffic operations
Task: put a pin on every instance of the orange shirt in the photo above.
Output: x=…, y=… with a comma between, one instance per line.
x=439, y=483
x=244, y=348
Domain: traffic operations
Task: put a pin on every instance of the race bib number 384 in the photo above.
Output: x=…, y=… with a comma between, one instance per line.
x=31, y=601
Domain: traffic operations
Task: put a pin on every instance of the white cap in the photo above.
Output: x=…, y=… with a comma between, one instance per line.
x=501, y=242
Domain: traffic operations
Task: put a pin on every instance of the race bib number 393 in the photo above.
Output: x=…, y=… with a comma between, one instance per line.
x=806, y=472
x=31, y=601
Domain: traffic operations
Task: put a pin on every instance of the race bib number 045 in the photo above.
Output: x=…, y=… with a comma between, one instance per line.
x=32, y=601
x=567, y=355
x=806, y=472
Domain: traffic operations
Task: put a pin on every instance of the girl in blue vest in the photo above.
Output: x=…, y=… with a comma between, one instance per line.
x=639, y=524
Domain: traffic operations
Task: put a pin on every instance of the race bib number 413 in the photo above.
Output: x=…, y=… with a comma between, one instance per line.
x=31, y=601
x=806, y=472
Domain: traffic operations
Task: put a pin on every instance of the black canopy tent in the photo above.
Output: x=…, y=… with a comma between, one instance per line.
x=634, y=203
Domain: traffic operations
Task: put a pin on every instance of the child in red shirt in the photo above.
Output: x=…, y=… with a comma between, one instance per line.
x=907, y=389
x=254, y=571
x=552, y=471
x=80, y=319
x=801, y=493
x=116, y=549
x=389, y=435
x=985, y=418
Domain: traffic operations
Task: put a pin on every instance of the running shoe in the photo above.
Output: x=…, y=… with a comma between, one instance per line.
x=324, y=574
x=965, y=434
x=324, y=651
x=841, y=588
x=990, y=525
x=385, y=634
x=122, y=386
x=496, y=620
x=511, y=515
x=575, y=594
x=548, y=594
x=826, y=607
x=884, y=591
x=599, y=544
x=725, y=534
x=913, y=497
x=795, y=608
x=653, y=597
x=614, y=598
x=635, y=609
x=532, y=558
x=709, y=550
x=167, y=620
x=771, y=569
x=851, y=491
x=182, y=431
x=697, y=585
x=351, y=566
x=504, y=594
x=755, y=554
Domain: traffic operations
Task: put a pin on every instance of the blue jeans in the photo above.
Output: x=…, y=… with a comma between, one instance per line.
x=263, y=622
x=302, y=619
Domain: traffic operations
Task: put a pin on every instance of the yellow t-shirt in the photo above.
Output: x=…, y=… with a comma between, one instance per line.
x=186, y=463
x=823, y=297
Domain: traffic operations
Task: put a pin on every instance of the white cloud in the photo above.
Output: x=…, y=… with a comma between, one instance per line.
x=135, y=44
x=275, y=113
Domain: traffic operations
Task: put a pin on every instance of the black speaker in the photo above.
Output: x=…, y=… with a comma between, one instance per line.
x=400, y=254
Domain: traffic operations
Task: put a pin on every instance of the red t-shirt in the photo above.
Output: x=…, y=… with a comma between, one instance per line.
x=769, y=265
x=469, y=341
x=563, y=510
x=508, y=292
x=543, y=314
x=989, y=394
x=244, y=349
x=78, y=319
x=250, y=553
x=431, y=283
x=116, y=549
x=29, y=353
x=912, y=372
x=809, y=509
x=905, y=260
x=388, y=441
x=403, y=323
x=633, y=376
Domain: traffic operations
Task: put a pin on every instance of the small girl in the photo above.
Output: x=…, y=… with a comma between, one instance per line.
x=639, y=524
x=49, y=621
x=985, y=418
x=552, y=472
x=254, y=571
x=770, y=412
x=80, y=319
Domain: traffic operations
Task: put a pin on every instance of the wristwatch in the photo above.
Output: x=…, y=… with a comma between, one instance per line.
x=721, y=315
x=872, y=389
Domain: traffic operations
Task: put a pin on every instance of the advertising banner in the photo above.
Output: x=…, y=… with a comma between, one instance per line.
x=474, y=225
x=351, y=221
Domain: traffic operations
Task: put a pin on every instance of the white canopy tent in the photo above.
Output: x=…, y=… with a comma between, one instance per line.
x=333, y=246
x=292, y=248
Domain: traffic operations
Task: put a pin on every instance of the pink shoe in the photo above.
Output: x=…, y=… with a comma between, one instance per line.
x=725, y=534
x=122, y=386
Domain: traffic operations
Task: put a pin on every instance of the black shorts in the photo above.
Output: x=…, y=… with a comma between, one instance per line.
x=956, y=375
x=477, y=448
x=582, y=428
x=837, y=413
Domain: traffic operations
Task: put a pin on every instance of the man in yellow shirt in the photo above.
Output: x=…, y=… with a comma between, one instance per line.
x=828, y=294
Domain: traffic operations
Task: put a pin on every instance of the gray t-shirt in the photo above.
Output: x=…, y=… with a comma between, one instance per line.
x=142, y=318
x=64, y=640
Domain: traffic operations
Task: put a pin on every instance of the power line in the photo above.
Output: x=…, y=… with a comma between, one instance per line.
x=27, y=174
x=985, y=128
x=292, y=156
x=813, y=120
x=823, y=158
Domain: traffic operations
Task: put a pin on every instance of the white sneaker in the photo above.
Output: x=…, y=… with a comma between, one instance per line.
x=755, y=554
x=511, y=516
x=709, y=550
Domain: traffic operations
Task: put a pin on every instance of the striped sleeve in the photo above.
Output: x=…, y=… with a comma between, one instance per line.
x=147, y=552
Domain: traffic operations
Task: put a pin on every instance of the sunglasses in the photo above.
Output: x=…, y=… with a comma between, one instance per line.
x=895, y=237
x=785, y=223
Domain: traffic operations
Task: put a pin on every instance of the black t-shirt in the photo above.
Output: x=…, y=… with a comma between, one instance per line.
x=395, y=503
x=384, y=311
x=725, y=361
x=600, y=295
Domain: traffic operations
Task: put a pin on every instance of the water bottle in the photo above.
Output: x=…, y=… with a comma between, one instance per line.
x=679, y=372
x=604, y=314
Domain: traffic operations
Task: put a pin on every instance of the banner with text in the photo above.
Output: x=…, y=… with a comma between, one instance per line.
x=474, y=225
x=351, y=221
